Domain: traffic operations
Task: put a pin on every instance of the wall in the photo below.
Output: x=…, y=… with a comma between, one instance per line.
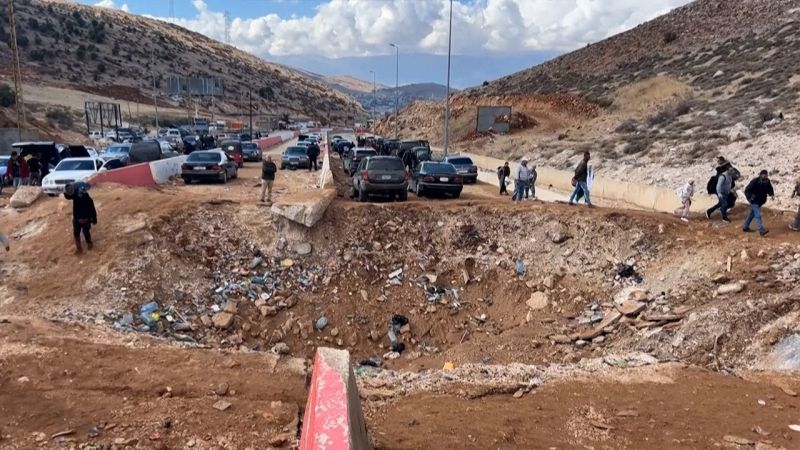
x=135, y=175
x=9, y=136
x=165, y=169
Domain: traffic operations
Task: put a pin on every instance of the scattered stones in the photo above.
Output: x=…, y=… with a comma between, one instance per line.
x=281, y=349
x=221, y=389
x=730, y=288
x=631, y=307
x=222, y=320
x=302, y=248
x=538, y=300
x=221, y=405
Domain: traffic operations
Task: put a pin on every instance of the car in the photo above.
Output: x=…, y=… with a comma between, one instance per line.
x=168, y=149
x=233, y=148
x=352, y=161
x=151, y=150
x=245, y=138
x=382, y=175
x=209, y=165
x=295, y=157
x=433, y=177
x=251, y=151
x=3, y=168
x=117, y=151
x=464, y=166
x=68, y=171
x=96, y=135
x=404, y=146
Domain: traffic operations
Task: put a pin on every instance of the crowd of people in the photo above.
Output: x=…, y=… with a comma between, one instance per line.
x=21, y=171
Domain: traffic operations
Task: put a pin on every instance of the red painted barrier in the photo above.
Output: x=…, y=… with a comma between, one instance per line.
x=135, y=175
x=333, y=419
x=267, y=142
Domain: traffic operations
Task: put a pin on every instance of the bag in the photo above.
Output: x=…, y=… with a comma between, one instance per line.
x=711, y=187
x=574, y=182
x=83, y=221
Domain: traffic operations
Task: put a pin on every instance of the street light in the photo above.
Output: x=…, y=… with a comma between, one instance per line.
x=374, y=101
x=447, y=99
x=396, y=88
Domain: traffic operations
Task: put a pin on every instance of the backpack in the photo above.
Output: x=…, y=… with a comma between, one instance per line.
x=712, y=185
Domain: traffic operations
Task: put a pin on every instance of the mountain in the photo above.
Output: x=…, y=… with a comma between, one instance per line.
x=103, y=51
x=350, y=84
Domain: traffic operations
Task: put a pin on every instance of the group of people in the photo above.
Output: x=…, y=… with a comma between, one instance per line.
x=525, y=181
x=23, y=172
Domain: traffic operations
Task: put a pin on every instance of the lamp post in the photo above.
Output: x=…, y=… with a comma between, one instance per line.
x=374, y=99
x=396, y=88
x=447, y=99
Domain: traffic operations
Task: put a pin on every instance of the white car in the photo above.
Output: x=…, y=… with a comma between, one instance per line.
x=96, y=135
x=68, y=171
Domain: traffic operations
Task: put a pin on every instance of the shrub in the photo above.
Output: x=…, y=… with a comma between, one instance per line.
x=38, y=55
x=628, y=126
x=22, y=41
x=637, y=146
x=670, y=37
x=766, y=115
x=660, y=118
x=101, y=68
x=81, y=52
x=60, y=117
x=7, y=97
x=683, y=108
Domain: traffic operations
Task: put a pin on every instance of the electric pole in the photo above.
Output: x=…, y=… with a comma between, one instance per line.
x=17, y=72
x=250, y=100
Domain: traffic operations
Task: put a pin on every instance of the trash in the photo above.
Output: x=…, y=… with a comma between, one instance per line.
x=731, y=288
x=149, y=313
x=321, y=323
x=396, y=274
x=520, y=267
x=258, y=280
x=397, y=322
x=371, y=362
x=794, y=427
x=628, y=271
x=287, y=263
x=280, y=349
x=256, y=262
x=391, y=355
x=449, y=366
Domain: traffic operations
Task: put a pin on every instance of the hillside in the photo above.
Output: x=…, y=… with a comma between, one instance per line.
x=112, y=53
x=656, y=103
x=350, y=84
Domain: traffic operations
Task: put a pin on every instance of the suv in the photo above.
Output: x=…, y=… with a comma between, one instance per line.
x=464, y=166
x=385, y=175
x=354, y=158
x=147, y=151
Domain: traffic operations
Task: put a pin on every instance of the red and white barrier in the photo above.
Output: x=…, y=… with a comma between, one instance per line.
x=333, y=419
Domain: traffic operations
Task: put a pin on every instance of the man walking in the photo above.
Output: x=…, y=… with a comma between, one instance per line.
x=756, y=193
x=796, y=193
x=532, y=183
x=523, y=175
x=579, y=181
x=503, y=172
x=84, y=215
x=685, y=194
x=724, y=188
x=313, y=153
x=17, y=170
x=268, y=169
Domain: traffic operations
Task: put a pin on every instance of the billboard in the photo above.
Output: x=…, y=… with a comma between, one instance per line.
x=495, y=118
x=195, y=86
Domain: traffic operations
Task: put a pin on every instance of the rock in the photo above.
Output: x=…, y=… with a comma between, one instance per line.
x=721, y=278
x=599, y=340
x=222, y=320
x=632, y=293
x=334, y=332
x=405, y=329
x=744, y=256
x=631, y=308
x=222, y=405
x=256, y=262
x=231, y=307
x=364, y=295
x=268, y=311
x=538, y=300
x=737, y=440
x=560, y=339
x=501, y=250
x=321, y=323
x=302, y=248
x=739, y=132
x=786, y=390
x=519, y=393
x=795, y=427
x=23, y=380
x=374, y=335
x=280, y=349
x=348, y=256
x=549, y=282
x=280, y=440
x=718, y=73
x=730, y=288
x=465, y=276
x=221, y=389
x=395, y=273
x=559, y=237
x=25, y=196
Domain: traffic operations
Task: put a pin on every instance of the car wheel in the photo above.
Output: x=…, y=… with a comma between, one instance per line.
x=187, y=181
x=403, y=196
x=362, y=196
x=235, y=173
x=353, y=192
x=418, y=190
x=224, y=177
x=283, y=167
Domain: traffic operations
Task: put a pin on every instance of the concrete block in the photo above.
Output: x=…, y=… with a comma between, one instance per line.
x=25, y=196
x=305, y=208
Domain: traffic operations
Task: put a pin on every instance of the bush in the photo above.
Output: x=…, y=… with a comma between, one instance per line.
x=61, y=117
x=637, y=146
x=766, y=115
x=670, y=37
x=22, y=41
x=81, y=52
x=660, y=118
x=629, y=126
x=7, y=97
x=683, y=108
x=101, y=68
x=38, y=55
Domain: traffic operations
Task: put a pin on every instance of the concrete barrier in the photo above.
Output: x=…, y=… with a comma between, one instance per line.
x=165, y=169
x=134, y=175
x=333, y=419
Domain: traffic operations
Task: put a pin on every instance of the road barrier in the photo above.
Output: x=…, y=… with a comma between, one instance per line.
x=333, y=419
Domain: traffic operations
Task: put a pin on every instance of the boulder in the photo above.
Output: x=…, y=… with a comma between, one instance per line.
x=730, y=288
x=222, y=320
x=25, y=196
x=302, y=248
x=538, y=300
x=739, y=132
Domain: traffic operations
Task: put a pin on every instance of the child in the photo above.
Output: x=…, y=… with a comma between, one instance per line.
x=685, y=194
x=83, y=213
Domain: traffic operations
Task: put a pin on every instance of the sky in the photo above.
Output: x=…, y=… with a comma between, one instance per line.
x=338, y=36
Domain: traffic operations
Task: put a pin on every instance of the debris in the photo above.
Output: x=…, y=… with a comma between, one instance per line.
x=631, y=294
x=737, y=440
x=371, y=362
x=221, y=389
x=396, y=274
x=449, y=366
x=256, y=262
x=631, y=307
x=538, y=300
x=628, y=413
x=730, y=288
x=397, y=322
x=519, y=266
x=149, y=313
x=280, y=349
x=721, y=278
x=222, y=320
x=321, y=323
x=391, y=355
x=62, y=433
x=786, y=390
x=302, y=248
x=601, y=425
x=519, y=393
x=364, y=295
x=221, y=405
x=23, y=380
x=287, y=263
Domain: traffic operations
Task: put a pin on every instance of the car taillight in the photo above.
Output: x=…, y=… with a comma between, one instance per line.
x=457, y=180
x=216, y=167
x=184, y=167
x=427, y=178
x=365, y=176
x=473, y=169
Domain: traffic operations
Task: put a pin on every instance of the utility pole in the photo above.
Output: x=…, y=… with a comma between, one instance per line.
x=250, y=100
x=374, y=98
x=155, y=101
x=20, y=103
x=447, y=99
x=396, y=89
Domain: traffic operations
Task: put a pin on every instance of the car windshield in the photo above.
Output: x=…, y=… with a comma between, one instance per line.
x=250, y=146
x=119, y=149
x=295, y=151
x=460, y=161
x=386, y=164
x=204, y=157
x=363, y=153
x=75, y=165
x=438, y=168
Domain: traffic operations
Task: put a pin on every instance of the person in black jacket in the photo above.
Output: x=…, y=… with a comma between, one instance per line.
x=579, y=180
x=756, y=193
x=84, y=214
x=796, y=193
x=268, y=170
x=312, y=151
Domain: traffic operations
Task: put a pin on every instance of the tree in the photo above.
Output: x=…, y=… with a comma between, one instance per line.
x=7, y=97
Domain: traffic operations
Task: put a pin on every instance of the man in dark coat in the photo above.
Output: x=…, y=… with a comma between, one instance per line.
x=580, y=181
x=312, y=151
x=503, y=172
x=796, y=193
x=756, y=193
x=84, y=214
x=268, y=170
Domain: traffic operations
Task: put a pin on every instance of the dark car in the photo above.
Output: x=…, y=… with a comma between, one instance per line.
x=431, y=177
x=245, y=138
x=465, y=167
x=208, y=165
x=145, y=151
x=233, y=148
x=190, y=144
x=251, y=151
x=112, y=164
x=295, y=158
x=404, y=146
x=354, y=158
x=382, y=175
x=117, y=151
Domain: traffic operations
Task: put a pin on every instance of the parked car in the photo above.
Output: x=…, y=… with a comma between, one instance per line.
x=233, y=148
x=209, y=165
x=465, y=167
x=112, y=164
x=384, y=175
x=431, y=177
x=245, y=138
x=117, y=151
x=3, y=168
x=251, y=151
x=69, y=171
x=96, y=135
x=356, y=155
x=147, y=151
x=190, y=144
x=295, y=158
x=404, y=146
x=168, y=149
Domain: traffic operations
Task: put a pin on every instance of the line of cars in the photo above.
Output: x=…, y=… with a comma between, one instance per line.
x=296, y=156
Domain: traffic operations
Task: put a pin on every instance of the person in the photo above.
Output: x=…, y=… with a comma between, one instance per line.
x=685, y=194
x=84, y=215
x=35, y=168
x=4, y=241
x=17, y=170
x=579, y=180
x=268, y=170
x=531, y=188
x=312, y=151
x=723, y=190
x=796, y=193
x=756, y=193
x=503, y=172
x=523, y=175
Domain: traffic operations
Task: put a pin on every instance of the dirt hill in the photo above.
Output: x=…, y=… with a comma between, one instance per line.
x=656, y=103
x=112, y=53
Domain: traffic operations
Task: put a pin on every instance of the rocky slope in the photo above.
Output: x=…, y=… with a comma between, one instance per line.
x=116, y=54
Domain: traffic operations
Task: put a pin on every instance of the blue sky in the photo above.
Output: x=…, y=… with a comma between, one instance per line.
x=324, y=36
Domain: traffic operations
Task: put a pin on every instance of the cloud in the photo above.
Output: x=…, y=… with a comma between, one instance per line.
x=110, y=4
x=342, y=28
